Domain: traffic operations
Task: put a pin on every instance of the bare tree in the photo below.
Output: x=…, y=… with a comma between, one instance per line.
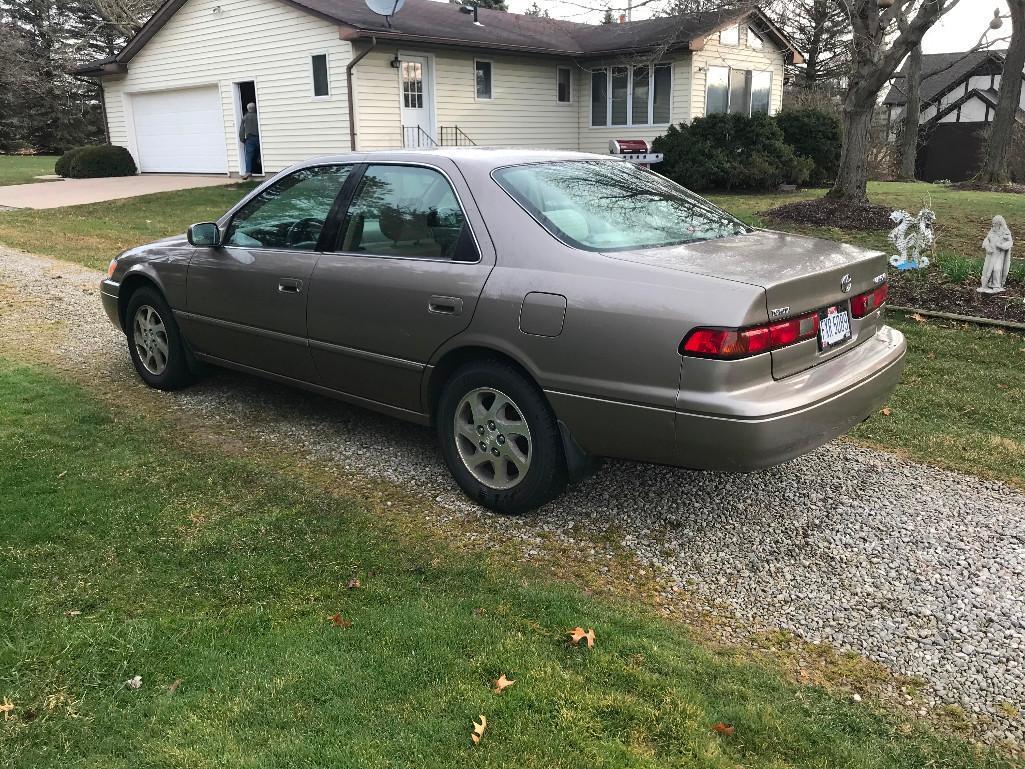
x=822, y=31
x=912, y=116
x=877, y=54
x=994, y=168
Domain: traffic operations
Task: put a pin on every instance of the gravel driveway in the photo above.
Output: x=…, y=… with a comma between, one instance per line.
x=920, y=569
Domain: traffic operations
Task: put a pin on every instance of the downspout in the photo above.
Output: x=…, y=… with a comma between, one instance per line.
x=352, y=101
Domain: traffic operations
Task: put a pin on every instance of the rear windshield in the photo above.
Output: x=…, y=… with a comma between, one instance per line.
x=599, y=205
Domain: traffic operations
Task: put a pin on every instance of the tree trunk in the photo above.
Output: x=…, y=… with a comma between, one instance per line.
x=912, y=113
x=994, y=169
x=852, y=181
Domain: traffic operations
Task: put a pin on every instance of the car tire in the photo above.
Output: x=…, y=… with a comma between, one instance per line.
x=155, y=342
x=499, y=438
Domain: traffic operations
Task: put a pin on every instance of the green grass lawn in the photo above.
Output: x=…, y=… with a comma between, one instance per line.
x=963, y=217
x=127, y=554
x=94, y=234
x=22, y=169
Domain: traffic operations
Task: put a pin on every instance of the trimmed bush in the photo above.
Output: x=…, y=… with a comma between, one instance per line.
x=63, y=165
x=728, y=152
x=816, y=135
x=99, y=161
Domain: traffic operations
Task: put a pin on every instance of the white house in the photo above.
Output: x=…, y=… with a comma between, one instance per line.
x=329, y=76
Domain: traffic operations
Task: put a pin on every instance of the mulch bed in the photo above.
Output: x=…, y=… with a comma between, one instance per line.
x=825, y=212
x=926, y=290
x=1017, y=189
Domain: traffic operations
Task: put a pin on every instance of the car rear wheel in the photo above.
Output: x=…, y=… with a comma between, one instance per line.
x=500, y=439
x=154, y=341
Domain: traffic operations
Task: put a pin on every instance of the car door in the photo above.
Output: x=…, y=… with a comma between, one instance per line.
x=405, y=277
x=246, y=299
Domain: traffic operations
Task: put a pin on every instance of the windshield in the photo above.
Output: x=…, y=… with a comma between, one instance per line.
x=600, y=205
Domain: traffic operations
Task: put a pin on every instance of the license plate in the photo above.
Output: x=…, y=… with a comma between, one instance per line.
x=834, y=327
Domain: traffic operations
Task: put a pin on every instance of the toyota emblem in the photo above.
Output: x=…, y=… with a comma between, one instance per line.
x=846, y=283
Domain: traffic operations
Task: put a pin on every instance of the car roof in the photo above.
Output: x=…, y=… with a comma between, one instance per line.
x=484, y=158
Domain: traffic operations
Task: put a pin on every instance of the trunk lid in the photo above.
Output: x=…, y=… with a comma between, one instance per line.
x=798, y=274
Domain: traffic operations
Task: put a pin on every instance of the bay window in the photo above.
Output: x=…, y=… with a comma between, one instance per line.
x=631, y=96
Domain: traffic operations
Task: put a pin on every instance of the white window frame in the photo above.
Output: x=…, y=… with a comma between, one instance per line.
x=629, y=96
x=729, y=89
x=491, y=80
x=559, y=69
x=726, y=29
x=752, y=34
x=313, y=79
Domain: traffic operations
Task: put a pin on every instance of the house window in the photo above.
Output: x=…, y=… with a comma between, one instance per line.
x=631, y=96
x=412, y=85
x=482, y=70
x=754, y=40
x=321, y=83
x=564, y=78
x=739, y=91
x=730, y=35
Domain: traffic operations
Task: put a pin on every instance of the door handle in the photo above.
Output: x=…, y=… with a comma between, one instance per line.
x=290, y=286
x=445, y=305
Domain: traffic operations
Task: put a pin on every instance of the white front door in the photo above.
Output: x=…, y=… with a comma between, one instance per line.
x=417, y=102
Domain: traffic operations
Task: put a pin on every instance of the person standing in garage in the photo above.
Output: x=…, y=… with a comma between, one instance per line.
x=249, y=135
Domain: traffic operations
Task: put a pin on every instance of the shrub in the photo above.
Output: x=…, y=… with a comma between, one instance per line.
x=813, y=134
x=958, y=269
x=100, y=161
x=730, y=152
x=63, y=165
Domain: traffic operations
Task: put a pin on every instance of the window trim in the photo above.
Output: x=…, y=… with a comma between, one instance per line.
x=558, y=69
x=491, y=80
x=729, y=89
x=344, y=204
x=629, y=96
x=313, y=78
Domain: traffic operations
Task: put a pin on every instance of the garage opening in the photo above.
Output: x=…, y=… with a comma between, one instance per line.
x=245, y=94
x=180, y=131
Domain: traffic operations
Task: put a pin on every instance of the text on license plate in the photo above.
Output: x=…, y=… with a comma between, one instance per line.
x=834, y=327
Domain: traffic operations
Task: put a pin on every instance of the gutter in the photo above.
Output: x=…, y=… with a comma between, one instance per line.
x=352, y=101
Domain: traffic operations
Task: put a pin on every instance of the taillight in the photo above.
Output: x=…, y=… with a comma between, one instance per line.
x=863, y=304
x=733, y=343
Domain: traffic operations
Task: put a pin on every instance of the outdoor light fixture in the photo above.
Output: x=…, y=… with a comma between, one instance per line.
x=996, y=22
x=395, y=62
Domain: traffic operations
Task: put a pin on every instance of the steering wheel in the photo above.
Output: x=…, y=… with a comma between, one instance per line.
x=310, y=228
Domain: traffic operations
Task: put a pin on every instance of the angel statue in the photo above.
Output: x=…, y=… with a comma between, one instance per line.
x=997, y=245
x=912, y=236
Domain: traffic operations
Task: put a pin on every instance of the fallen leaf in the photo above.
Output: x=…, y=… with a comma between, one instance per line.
x=886, y=411
x=577, y=634
x=353, y=584
x=917, y=317
x=503, y=683
x=174, y=687
x=7, y=707
x=339, y=621
x=134, y=683
x=478, y=729
x=478, y=612
x=999, y=332
x=722, y=728
x=74, y=613
x=62, y=475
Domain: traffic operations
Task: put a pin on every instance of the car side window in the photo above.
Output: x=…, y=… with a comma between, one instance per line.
x=291, y=213
x=408, y=211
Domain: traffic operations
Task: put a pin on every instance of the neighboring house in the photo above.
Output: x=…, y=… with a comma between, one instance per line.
x=959, y=97
x=329, y=76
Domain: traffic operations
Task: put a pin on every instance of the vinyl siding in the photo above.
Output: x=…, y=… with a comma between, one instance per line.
x=266, y=41
x=767, y=59
x=596, y=139
x=523, y=111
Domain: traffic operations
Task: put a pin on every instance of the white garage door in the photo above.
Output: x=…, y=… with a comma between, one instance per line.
x=180, y=131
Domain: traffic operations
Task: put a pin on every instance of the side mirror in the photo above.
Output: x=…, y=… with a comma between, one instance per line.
x=204, y=234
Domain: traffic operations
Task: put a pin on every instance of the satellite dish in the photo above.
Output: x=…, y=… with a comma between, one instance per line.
x=386, y=8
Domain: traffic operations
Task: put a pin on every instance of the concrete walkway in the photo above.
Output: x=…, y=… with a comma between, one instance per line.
x=73, y=192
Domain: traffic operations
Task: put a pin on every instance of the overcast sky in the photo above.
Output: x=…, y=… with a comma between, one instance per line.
x=957, y=31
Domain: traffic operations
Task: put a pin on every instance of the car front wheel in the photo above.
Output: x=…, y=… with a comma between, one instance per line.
x=154, y=341
x=500, y=439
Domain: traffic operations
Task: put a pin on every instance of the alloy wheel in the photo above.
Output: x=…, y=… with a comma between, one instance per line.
x=150, y=338
x=493, y=438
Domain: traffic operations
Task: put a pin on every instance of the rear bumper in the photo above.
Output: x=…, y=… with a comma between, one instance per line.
x=109, y=293
x=781, y=421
